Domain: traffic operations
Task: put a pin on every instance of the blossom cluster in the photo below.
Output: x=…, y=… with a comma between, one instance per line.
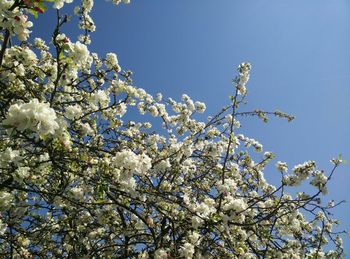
x=241, y=81
x=15, y=21
x=34, y=115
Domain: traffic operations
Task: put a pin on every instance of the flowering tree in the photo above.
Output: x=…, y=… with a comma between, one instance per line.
x=79, y=179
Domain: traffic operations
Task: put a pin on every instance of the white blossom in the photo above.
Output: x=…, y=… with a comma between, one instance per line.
x=160, y=254
x=5, y=200
x=85, y=174
x=100, y=97
x=79, y=53
x=34, y=115
x=3, y=227
x=73, y=111
x=200, y=107
x=281, y=166
x=187, y=250
x=58, y=4
x=112, y=61
x=20, y=25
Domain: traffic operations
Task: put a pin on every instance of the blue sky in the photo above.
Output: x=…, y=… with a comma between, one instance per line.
x=299, y=50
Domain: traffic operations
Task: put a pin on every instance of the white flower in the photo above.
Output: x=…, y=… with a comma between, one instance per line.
x=9, y=156
x=160, y=254
x=86, y=129
x=189, y=102
x=196, y=221
x=112, y=61
x=76, y=10
x=205, y=208
x=73, y=112
x=5, y=200
x=77, y=193
x=339, y=241
x=58, y=4
x=229, y=186
x=27, y=56
x=119, y=1
x=194, y=237
x=200, y=107
x=237, y=205
x=101, y=97
x=3, y=227
x=145, y=163
x=87, y=5
x=320, y=181
x=281, y=166
x=143, y=255
x=34, y=115
x=87, y=23
x=300, y=173
x=80, y=53
x=22, y=172
x=163, y=165
x=121, y=109
x=20, y=27
x=187, y=250
x=128, y=160
x=128, y=184
x=153, y=111
x=159, y=97
x=244, y=70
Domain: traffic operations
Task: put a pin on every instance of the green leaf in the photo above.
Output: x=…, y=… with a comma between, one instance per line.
x=61, y=56
x=65, y=47
x=34, y=13
x=41, y=6
x=342, y=160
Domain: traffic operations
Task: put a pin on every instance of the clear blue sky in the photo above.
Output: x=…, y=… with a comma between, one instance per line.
x=299, y=50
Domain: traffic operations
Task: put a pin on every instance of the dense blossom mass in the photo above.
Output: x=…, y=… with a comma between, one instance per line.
x=81, y=178
x=35, y=116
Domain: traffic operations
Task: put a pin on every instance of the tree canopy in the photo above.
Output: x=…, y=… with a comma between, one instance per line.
x=80, y=177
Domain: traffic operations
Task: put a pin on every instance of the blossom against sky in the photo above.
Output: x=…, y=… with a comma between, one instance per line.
x=300, y=56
